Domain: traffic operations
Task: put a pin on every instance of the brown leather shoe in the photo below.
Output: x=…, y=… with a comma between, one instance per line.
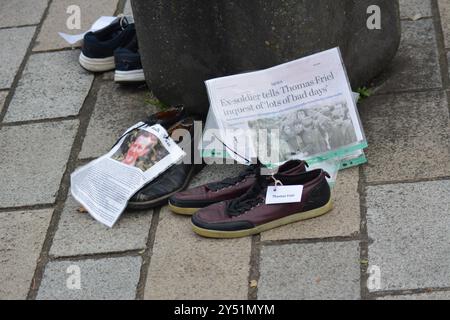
x=250, y=215
x=168, y=117
x=190, y=201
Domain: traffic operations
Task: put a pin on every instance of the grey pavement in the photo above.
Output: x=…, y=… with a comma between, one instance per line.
x=412, y=9
x=388, y=236
x=3, y=95
x=409, y=226
x=417, y=55
x=310, y=271
x=48, y=38
x=22, y=237
x=15, y=45
x=44, y=92
x=34, y=158
x=17, y=13
x=101, y=279
x=78, y=234
x=109, y=119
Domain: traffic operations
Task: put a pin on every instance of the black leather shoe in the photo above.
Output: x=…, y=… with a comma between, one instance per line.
x=172, y=181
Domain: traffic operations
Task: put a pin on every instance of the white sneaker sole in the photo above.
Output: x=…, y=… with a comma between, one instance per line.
x=129, y=76
x=97, y=65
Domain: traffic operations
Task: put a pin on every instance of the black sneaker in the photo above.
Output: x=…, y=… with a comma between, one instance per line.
x=128, y=63
x=97, y=53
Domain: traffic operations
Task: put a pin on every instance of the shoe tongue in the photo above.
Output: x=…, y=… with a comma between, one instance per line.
x=260, y=183
x=291, y=165
x=216, y=186
x=280, y=178
x=300, y=178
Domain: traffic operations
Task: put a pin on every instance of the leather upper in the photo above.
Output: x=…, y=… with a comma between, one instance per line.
x=204, y=195
x=314, y=183
x=170, y=181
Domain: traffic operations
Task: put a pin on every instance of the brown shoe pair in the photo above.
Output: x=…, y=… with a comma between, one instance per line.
x=238, y=207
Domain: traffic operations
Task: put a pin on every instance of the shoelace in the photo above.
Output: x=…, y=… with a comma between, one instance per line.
x=228, y=182
x=123, y=22
x=249, y=200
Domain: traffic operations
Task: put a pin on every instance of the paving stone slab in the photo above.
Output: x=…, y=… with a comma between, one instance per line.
x=15, y=13
x=416, y=65
x=409, y=225
x=117, y=108
x=444, y=295
x=343, y=220
x=324, y=271
x=448, y=59
x=407, y=136
x=444, y=8
x=33, y=159
x=56, y=21
x=79, y=234
x=3, y=95
x=22, y=234
x=102, y=279
x=412, y=8
x=15, y=43
x=53, y=85
x=398, y=158
x=184, y=266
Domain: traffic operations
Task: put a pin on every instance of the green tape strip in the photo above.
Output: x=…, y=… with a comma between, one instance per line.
x=340, y=153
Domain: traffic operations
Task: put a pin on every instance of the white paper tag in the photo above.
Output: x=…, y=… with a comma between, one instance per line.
x=284, y=194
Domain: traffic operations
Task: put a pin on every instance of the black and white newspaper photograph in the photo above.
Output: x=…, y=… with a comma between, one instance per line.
x=310, y=131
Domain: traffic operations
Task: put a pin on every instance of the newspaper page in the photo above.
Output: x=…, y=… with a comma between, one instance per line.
x=214, y=151
x=105, y=185
x=301, y=109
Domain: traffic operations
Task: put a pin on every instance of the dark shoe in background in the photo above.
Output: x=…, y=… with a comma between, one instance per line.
x=128, y=63
x=249, y=215
x=97, y=52
x=168, y=117
x=190, y=201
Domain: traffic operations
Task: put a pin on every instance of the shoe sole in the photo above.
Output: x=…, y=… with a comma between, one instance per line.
x=129, y=76
x=264, y=227
x=161, y=200
x=183, y=211
x=97, y=65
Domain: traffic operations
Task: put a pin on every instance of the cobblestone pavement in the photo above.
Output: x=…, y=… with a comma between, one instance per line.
x=391, y=215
